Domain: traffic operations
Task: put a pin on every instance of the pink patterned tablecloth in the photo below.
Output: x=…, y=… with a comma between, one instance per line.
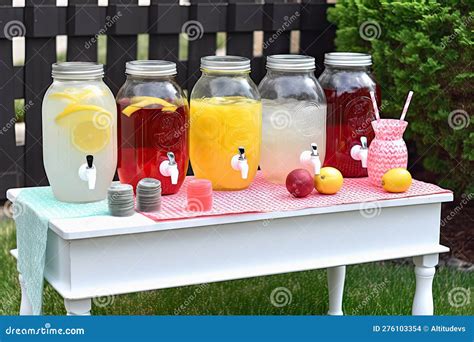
x=263, y=196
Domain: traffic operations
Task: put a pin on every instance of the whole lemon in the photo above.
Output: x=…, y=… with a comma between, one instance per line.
x=329, y=181
x=396, y=180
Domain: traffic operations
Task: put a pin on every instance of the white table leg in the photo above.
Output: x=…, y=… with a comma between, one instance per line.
x=424, y=273
x=78, y=307
x=25, y=305
x=336, y=277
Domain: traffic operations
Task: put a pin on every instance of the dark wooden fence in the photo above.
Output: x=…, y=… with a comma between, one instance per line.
x=40, y=21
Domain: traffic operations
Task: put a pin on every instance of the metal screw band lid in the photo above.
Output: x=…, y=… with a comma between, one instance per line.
x=347, y=59
x=150, y=68
x=225, y=63
x=291, y=63
x=77, y=70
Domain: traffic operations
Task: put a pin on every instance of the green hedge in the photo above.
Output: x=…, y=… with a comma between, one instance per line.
x=426, y=46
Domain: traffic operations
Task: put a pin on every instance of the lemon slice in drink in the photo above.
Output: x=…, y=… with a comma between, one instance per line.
x=151, y=99
x=139, y=102
x=97, y=111
x=88, y=125
x=64, y=96
x=87, y=138
x=73, y=95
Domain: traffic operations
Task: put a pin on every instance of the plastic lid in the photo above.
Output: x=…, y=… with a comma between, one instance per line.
x=291, y=62
x=225, y=63
x=347, y=59
x=149, y=183
x=77, y=70
x=150, y=68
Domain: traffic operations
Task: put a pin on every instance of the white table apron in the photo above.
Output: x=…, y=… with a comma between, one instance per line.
x=98, y=256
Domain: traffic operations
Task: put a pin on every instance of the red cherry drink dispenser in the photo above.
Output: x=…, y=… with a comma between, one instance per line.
x=153, y=126
x=347, y=83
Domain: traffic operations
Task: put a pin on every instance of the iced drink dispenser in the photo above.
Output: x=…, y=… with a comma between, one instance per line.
x=153, y=126
x=79, y=133
x=294, y=117
x=226, y=123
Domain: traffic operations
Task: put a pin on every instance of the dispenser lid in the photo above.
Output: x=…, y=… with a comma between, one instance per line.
x=225, y=63
x=291, y=62
x=77, y=70
x=150, y=68
x=347, y=59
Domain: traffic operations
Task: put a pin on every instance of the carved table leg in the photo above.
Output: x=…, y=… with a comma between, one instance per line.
x=25, y=305
x=336, y=277
x=424, y=273
x=78, y=307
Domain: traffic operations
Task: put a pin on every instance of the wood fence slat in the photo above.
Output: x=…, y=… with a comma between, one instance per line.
x=40, y=54
x=84, y=23
x=121, y=47
x=11, y=161
x=18, y=82
x=42, y=20
x=317, y=34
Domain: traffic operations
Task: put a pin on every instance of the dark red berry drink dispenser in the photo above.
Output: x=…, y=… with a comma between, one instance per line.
x=347, y=83
x=153, y=126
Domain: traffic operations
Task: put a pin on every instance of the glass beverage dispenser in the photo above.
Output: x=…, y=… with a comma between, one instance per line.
x=226, y=123
x=153, y=126
x=294, y=117
x=347, y=83
x=79, y=133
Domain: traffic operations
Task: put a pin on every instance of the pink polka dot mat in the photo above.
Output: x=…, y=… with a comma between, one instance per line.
x=263, y=196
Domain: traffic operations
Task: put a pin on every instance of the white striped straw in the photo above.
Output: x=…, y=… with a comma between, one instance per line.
x=374, y=103
x=407, y=103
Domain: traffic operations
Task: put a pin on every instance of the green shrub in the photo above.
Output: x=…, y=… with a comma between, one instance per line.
x=426, y=46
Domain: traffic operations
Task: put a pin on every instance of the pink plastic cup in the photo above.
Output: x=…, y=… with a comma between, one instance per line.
x=199, y=194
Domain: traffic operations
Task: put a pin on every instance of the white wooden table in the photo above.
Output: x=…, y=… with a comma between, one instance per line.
x=103, y=256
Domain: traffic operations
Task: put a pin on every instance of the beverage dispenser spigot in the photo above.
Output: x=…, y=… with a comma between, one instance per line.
x=360, y=152
x=311, y=158
x=169, y=168
x=239, y=163
x=88, y=172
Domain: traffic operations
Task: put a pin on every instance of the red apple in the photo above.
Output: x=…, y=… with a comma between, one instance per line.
x=300, y=183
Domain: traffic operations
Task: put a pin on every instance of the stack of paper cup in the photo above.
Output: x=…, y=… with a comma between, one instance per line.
x=120, y=199
x=149, y=195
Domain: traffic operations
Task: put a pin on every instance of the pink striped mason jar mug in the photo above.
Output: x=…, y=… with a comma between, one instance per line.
x=388, y=149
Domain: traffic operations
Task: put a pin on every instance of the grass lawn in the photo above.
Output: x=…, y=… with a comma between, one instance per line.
x=371, y=289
